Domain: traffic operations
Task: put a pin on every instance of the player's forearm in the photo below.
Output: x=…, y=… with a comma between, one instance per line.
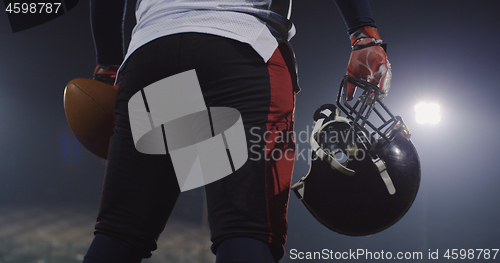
x=107, y=30
x=356, y=14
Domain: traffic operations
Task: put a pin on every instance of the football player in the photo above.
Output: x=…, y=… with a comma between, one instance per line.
x=243, y=60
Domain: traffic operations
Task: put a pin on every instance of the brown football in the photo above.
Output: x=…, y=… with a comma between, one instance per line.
x=89, y=105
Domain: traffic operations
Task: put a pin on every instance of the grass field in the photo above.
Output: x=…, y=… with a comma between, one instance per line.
x=62, y=234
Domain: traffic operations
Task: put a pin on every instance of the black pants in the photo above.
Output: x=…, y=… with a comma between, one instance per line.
x=140, y=190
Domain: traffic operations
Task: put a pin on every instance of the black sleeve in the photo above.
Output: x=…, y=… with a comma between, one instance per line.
x=107, y=23
x=356, y=14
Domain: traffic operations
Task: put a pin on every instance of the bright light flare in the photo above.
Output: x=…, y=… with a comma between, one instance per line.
x=427, y=113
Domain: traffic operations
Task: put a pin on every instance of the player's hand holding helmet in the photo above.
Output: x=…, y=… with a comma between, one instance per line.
x=106, y=74
x=368, y=61
x=364, y=170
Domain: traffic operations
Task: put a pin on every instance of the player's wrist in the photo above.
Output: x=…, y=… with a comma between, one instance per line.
x=364, y=32
x=106, y=70
x=366, y=37
x=106, y=73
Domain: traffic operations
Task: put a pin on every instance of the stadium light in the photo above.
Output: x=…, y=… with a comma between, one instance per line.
x=427, y=113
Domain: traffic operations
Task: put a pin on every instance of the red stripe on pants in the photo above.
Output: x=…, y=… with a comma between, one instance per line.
x=280, y=148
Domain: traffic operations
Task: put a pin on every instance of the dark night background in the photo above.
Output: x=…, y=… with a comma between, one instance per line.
x=441, y=51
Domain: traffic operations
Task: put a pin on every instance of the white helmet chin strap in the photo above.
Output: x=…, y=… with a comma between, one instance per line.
x=330, y=157
x=382, y=169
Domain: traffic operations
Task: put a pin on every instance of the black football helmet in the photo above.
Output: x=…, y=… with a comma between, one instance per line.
x=364, y=174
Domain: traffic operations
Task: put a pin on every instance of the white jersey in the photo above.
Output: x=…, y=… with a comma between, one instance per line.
x=260, y=23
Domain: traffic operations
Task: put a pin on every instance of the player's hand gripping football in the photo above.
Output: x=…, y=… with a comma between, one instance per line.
x=106, y=74
x=368, y=61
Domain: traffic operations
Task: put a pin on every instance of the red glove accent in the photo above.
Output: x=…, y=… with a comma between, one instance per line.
x=368, y=62
x=106, y=74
